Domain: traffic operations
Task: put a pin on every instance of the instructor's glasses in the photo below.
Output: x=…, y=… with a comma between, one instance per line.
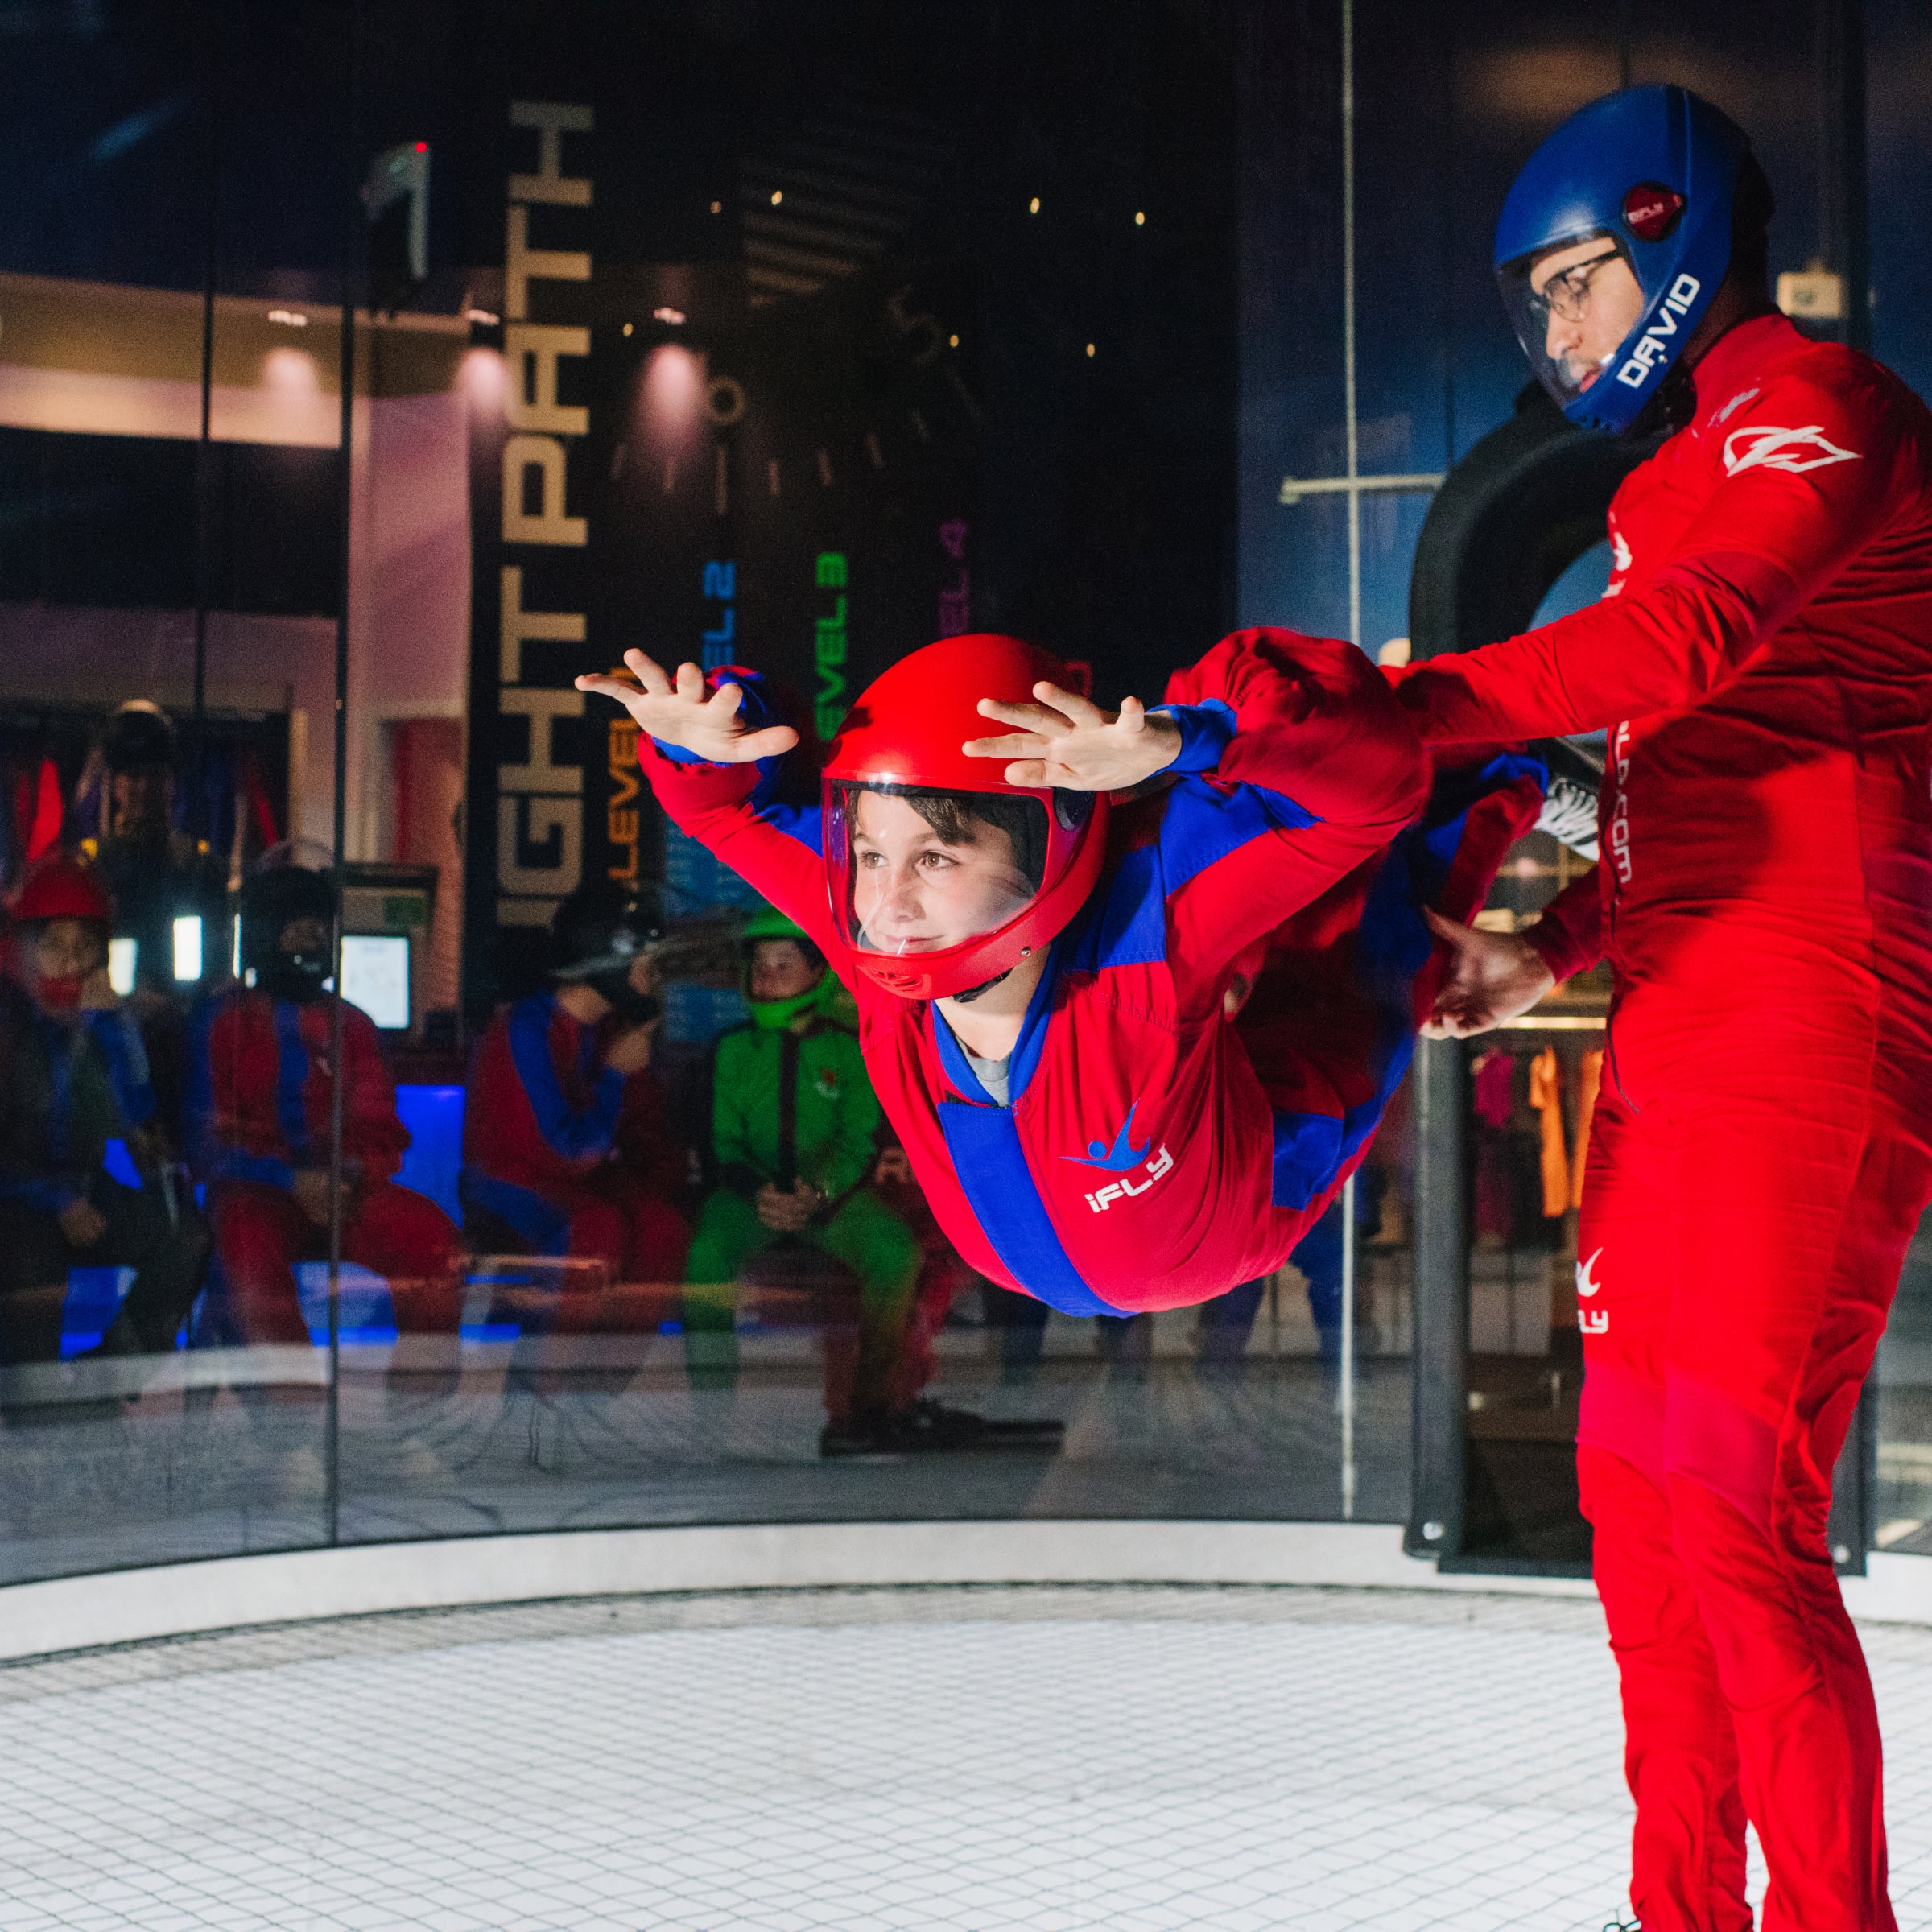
x=1568, y=295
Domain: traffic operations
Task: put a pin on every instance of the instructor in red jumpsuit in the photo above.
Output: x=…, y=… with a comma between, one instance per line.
x=1763, y=1146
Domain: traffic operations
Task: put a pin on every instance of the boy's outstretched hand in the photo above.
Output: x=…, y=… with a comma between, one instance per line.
x=1067, y=742
x=684, y=714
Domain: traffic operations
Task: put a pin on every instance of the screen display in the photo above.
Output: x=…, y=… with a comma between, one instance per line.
x=375, y=976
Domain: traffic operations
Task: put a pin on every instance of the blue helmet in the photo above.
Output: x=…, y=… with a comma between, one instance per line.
x=1653, y=171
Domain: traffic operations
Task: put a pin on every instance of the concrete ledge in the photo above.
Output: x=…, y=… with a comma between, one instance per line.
x=129, y=1606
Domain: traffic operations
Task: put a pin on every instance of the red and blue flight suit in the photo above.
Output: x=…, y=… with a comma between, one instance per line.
x=260, y=1096
x=572, y=1157
x=1761, y=1150
x=1152, y=1152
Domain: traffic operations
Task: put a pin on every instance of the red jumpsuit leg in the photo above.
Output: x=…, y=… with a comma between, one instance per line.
x=1680, y=1758
x=405, y=1237
x=1791, y=1180
x=259, y=1231
x=596, y=1234
x=656, y=1238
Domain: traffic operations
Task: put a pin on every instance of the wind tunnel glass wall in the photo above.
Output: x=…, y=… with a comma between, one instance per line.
x=1446, y=109
x=782, y=342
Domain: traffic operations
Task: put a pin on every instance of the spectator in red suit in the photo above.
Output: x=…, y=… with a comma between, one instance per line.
x=567, y=1151
x=260, y=1099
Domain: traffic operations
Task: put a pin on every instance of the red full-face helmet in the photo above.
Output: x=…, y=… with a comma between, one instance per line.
x=942, y=876
x=59, y=888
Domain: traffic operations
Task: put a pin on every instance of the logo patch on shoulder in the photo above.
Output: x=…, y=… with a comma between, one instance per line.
x=1759, y=446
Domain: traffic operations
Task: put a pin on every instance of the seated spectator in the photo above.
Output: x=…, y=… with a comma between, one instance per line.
x=567, y=1149
x=260, y=1094
x=155, y=873
x=794, y=1126
x=86, y=1178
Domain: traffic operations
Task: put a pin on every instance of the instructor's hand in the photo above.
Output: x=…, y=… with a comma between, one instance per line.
x=1067, y=742
x=686, y=714
x=1493, y=977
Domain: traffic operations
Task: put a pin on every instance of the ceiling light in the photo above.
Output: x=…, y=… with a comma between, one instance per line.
x=289, y=318
x=674, y=316
x=1033, y=207
x=481, y=317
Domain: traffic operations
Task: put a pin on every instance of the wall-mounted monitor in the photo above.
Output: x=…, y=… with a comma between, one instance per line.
x=375, y=976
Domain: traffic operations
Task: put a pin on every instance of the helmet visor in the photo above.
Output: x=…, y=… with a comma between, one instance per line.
x=1567, y=322
x=916, y=872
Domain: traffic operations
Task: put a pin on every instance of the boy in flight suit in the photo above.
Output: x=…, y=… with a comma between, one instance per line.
x=1046, y=980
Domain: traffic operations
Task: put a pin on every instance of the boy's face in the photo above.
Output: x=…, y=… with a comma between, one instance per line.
x=780, y=970
x=912, y=892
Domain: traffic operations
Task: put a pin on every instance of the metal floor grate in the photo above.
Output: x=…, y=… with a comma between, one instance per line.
x=1143, y=1760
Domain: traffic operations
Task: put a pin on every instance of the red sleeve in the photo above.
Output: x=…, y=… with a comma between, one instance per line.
x=372, y=1133
x=1318, y=772
x=1813, y=469
x=1570, y=935
x=774, y=848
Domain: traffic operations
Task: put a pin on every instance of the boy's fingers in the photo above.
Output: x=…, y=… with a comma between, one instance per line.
x=773, y=742
x=1133, y=714
x=691, y=684
x=1030, y=717
x=1030, y=772
x=1014, y=744
x=1445, y=928
x=1079, y=711
x=619, y=689
x=649, y=673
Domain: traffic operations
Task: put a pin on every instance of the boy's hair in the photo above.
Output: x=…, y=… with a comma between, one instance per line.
x=953, y=815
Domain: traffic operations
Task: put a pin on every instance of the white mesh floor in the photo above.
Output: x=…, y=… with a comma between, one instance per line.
x=1142, y=1761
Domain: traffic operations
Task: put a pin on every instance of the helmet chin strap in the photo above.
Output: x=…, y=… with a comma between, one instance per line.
x=972, y=993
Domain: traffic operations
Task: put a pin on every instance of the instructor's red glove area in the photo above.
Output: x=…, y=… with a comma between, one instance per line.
x=1763, y=1148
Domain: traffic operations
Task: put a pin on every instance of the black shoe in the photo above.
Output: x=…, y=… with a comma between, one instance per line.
x=930, y=1427
x=855, y=1438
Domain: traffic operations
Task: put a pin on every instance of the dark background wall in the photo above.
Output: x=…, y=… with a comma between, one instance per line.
x=1126, y=501
x=1107, y=510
